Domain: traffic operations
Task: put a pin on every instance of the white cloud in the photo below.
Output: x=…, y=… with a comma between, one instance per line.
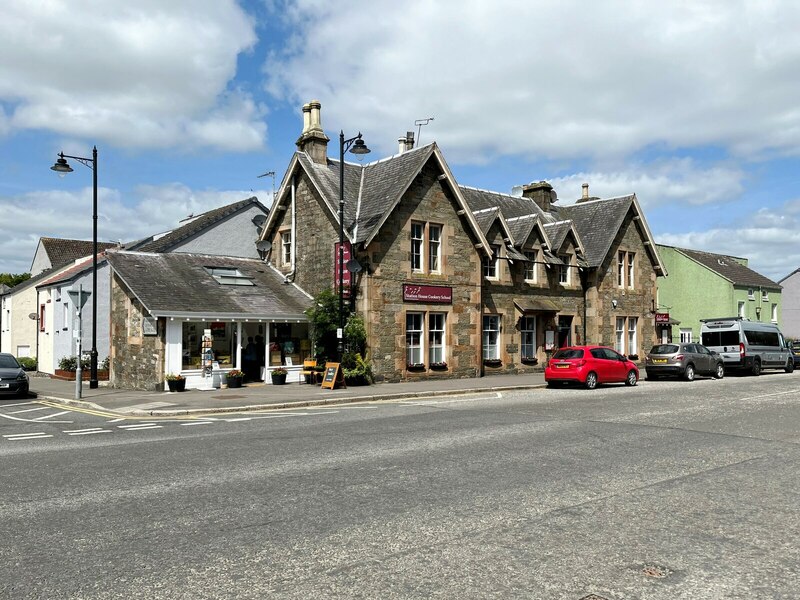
x=145, y=74
x=60, y=214
x=557, y=78
x=677, y=181
x=770, y=241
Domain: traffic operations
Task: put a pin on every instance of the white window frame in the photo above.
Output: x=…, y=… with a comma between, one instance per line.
x=491, y=264
x=620, y=335
x=491, y=337
x=286, y=247
x=417, y=243
x=563, y=269
x=65, y=315
x=741, y=309
x=527, y=330
x=434, y=248
x=631, y=256
x=415, y=347
x=530, y=274
x=774, y=312
x=686, y=336
x=437, y=323
x=751, y=294
x=764, y=296
x=633, y=335
x=621, y=269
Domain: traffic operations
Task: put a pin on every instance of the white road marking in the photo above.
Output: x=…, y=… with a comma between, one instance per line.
x=135, y=425
x=239, y=419
x=88, y=431
x=116, y=420
x=16, y=412
x=432, y=402
x=14, y=437
x=141, y=428
x=58, y=414
x=198, y=423
x=29, y=420
x=17, y=404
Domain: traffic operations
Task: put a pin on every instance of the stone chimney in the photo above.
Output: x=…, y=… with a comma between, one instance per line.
x=313, y=140
x=405, y=143
x=541, y=193
x=585, y=197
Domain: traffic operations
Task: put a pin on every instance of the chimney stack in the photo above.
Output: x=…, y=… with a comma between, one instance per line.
x=313, y=140
x=405, y=143
x=585, y=193
x=541, y=193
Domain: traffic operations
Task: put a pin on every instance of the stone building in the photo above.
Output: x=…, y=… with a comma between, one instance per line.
x=454, y=281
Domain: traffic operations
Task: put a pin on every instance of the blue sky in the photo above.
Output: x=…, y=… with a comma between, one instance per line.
x=691, y=105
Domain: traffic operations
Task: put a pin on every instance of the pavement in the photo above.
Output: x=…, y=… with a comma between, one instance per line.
x=261, y=396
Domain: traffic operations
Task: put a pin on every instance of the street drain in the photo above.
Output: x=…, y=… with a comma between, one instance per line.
x=655, y=571
x=593, y=597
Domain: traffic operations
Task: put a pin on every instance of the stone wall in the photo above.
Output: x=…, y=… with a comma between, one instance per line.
x=380, y=298
x=136, y=361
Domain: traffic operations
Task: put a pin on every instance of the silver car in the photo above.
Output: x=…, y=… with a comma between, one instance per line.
x=683, y=360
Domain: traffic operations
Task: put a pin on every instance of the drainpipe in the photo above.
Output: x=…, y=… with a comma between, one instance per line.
x=290, y=276
x=584, y=275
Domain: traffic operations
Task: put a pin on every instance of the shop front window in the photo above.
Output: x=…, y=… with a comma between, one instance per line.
x=223, y=343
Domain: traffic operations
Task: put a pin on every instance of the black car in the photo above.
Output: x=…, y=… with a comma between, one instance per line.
x=683, y=360
x=13, y=379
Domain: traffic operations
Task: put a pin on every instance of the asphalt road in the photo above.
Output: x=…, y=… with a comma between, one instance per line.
x=666, y=490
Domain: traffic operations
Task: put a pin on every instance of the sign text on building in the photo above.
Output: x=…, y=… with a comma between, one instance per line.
x=662, y=318
x=434, y=294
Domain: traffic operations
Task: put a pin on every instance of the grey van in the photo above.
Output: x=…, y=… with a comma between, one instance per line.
x=747, y=345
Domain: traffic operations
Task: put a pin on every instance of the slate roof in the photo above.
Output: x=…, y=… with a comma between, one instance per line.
x=177, y=284
x=731, y=269
x=166, y=242
x=597, y=223
x=511, y=206
x=62, y=252
x=557, y=232
x=70, y=272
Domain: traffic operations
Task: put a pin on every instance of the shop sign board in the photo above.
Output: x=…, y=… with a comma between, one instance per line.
x=662, y=318
x=347, y=275
x=432, y=294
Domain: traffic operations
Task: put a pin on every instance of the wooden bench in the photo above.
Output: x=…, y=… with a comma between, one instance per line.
x=309, y=371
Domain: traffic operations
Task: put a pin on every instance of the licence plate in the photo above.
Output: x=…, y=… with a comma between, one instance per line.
x=562, y=366
x=659, y=360
x=3, y=385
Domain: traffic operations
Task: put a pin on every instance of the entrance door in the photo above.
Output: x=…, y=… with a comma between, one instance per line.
x=564, y=331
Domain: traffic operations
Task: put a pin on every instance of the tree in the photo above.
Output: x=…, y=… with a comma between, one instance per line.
x=324, y=317
x=11, y=279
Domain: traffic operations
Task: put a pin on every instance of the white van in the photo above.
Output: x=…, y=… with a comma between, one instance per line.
x=747, y=345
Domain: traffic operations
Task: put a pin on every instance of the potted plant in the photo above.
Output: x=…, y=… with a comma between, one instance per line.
x=530, y=360
x=415, y=366
x=279, y=376
x=234, y=378
x=439, y=366
x=176, y=382
x=492, y=362
x=360, y=373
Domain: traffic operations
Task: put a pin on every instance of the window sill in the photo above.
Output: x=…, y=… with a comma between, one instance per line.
x=492, y=362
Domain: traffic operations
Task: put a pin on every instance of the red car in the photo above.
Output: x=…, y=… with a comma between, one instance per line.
x=590, y=365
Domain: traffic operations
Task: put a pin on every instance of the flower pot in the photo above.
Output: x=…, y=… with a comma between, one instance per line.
x=278, y=379
x=176, y=385
x=234, y=382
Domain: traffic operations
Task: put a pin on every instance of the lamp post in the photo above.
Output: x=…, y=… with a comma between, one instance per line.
x=62, y=168
x=358, y=147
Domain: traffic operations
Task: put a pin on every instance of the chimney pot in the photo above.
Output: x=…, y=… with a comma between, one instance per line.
x=313, y=140
x=585, y=193
x=541, y=193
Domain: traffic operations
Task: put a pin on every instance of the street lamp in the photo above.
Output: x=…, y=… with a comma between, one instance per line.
x=62, y=168
x=358, y=147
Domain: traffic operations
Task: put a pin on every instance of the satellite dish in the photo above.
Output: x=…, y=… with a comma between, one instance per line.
x=259, y=220
x=353, y=265
x=263, y=246
x=33, y=316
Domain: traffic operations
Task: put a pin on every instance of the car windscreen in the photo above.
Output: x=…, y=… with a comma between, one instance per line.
x=569, y=353
x=8, y=362
x=664, y=349
x=720, y=338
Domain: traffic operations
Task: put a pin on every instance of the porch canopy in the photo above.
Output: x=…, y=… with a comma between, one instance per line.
x=536, y=305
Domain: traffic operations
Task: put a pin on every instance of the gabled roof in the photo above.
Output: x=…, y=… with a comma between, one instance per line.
x=178, y=285
x=79, y=267
x=599, y=221
x=197, y=225
x=728, y=267
x=789, y=275
x=62, y=252
x=371, y=192
x=512, y=206
x=522, y=227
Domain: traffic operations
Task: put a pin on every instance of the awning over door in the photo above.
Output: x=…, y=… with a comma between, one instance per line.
x=536, y=305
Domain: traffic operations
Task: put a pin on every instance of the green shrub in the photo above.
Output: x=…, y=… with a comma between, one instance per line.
x=70, y=363
x=28, y=362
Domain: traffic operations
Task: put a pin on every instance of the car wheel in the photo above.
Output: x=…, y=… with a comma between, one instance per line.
x=789, y=366
x=591, y=381
x=756, y=368
x=720, y=373
x=688, y=374
x=631, y=379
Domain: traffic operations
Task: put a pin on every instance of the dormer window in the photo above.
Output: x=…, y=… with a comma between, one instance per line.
x=490, y=263
x=563, y=272
x=229, y=276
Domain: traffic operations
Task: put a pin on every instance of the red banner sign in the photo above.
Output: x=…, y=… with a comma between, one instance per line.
x=433, y=294
x=347, y=277
x=662, y=318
